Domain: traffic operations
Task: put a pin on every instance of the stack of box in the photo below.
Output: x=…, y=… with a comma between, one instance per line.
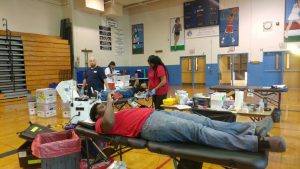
x=46, y=102
x=31, y=104
x=66, y=110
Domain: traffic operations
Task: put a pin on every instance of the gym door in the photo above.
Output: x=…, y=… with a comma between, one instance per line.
x=291, y=75
x=199, y=70
x=193, y=70
x=225, y=70
x=240, y=69
x=186, y=70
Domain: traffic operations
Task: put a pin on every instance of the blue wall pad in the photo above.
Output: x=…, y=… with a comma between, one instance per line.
x=265, y=73
x=212, y=74
x=255, y=74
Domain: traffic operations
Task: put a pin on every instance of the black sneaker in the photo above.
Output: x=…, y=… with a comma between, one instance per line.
x=272, y=144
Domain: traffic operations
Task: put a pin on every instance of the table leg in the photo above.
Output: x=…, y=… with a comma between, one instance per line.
x=279, y=100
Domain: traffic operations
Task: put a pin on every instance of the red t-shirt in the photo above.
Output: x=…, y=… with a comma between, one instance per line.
x=154, y=80
x=128, y=122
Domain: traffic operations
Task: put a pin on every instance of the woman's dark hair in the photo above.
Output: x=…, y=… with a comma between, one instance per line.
x=94, y=112
x=155, y=60
x=112, y=63
x=177, y=19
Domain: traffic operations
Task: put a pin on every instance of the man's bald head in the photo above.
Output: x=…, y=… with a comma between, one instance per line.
x=92, y=61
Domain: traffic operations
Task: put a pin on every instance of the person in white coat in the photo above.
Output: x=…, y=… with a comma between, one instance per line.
x=110, y=72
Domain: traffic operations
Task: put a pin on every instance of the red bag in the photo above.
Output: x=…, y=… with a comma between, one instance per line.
x=56, y=144
x=117, y=96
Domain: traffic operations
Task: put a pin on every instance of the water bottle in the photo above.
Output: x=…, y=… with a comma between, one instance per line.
x=261, y=106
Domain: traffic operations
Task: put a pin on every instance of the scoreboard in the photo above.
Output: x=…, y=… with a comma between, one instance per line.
x=199, y=13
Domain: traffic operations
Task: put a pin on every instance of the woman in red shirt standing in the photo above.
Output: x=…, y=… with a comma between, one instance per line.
x=158, y=80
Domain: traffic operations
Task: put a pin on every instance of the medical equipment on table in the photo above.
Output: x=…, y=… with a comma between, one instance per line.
x=217, y=100
x=80, y=105
x=181, y=97
x=169, y=101
x=201, y=100
x=239, y=99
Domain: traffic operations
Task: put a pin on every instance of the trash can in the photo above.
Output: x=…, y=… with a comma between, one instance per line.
x=58, y=150
x=276, y=114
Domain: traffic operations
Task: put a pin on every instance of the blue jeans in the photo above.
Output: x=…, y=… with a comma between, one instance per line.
x=162, y=126
x=126, y=93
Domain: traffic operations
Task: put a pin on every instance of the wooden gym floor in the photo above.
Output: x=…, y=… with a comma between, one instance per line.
x=14, y=118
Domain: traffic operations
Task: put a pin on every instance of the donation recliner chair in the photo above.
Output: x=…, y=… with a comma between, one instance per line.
x=191, y=155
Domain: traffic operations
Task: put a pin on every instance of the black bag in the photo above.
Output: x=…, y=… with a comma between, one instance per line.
x=33, y=130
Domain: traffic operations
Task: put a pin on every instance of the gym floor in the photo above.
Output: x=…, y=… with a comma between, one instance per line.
x=15, y=118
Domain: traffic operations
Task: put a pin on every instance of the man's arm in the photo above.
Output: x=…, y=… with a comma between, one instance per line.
x=105, y=83
x=84, y=83
x=103, y=77
x=108, y=120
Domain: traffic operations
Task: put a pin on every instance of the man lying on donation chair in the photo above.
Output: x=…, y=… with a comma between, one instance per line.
x=136, y=88
x=175, y=126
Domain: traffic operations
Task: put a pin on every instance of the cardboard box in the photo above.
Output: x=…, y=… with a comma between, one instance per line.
x=46, y=95
x=46, y=110
x=66, y=110
x=32, y=108
x=66, y=114
x=26, y=159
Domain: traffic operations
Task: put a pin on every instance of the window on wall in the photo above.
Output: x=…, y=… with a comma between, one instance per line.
x=240, y=66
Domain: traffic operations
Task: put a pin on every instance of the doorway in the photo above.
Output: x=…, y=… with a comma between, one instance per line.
x=233, y=69
x=225, y=70
x=291, y=71
x=291, y=75
x=193, y=70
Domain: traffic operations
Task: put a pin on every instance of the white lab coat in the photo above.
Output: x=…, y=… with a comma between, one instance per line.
x=109, y=79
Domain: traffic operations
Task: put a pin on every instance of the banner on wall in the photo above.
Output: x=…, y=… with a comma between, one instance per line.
x=209, y=31
x=292, y=21
x=177, y=34
x=105, y=38
x=138, y=39
x=229, y=27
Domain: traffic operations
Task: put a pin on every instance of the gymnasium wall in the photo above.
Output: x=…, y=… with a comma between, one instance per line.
x=253, y=40
x=86, y=35
x=32, y=16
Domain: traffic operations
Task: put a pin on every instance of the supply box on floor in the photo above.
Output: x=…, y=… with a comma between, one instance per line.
x=31, y=104
x=46, y=102
x=46, y=95
x=46, y=110
x=66, y=110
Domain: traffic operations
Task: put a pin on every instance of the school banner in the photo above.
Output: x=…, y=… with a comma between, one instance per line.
x=176, y=34
x=138, y=39
x=292, y=21
x=229, y=27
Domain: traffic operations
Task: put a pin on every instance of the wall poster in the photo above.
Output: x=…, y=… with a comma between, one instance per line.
x=292, y=21
x=229, y=27
x=105, y=38
x=177, y=34
x=138, y=39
